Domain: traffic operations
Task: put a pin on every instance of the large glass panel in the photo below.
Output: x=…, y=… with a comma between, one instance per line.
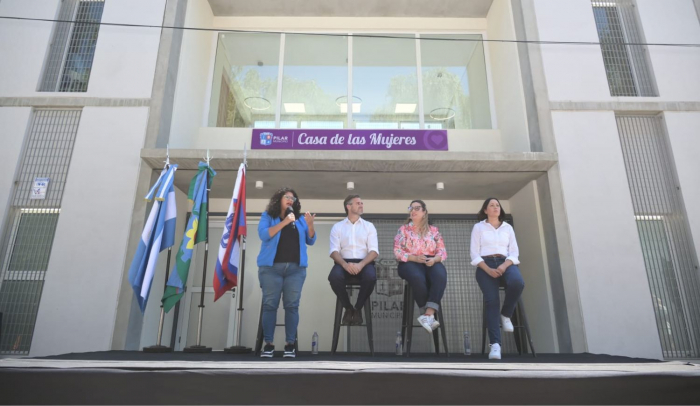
x=245, y=80
x=315, y=81
x=385, y=84
x=455, y=88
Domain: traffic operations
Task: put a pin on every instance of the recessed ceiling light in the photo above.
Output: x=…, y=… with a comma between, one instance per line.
x=405, y=108
x=294, y=107
x=355, y=107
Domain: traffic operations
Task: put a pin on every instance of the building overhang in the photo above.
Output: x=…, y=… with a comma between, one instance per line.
x=356, y=8
x=376, y=174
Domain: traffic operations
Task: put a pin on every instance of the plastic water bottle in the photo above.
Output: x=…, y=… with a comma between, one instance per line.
x=467, y=344
x=399, y=343
x=314, y=343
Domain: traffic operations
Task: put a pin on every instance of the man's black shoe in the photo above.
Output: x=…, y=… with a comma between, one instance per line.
x=347, y=317
x=357, y=317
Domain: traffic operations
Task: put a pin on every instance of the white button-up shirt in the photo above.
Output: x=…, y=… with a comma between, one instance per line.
x=487, y=240
x=354, y=241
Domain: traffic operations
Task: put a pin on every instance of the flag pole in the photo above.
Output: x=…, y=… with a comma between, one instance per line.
x=198, y=348
x=158, y=348
x=237, y=348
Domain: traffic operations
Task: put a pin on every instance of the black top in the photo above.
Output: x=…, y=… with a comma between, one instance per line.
x=288, y=247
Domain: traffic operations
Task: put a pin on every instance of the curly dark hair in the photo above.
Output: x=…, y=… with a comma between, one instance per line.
x=274, y=207
x=482, y=213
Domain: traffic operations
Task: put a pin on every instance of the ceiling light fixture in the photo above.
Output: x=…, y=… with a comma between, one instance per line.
x=257, y=103
x=440, y=186
x=405, y=108
x=258, y=184
x=442, y=113
x=342, y=102
x=351, y=185
x=294, y=107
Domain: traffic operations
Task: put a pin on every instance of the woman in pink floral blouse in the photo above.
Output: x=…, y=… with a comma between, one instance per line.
x=420, y=250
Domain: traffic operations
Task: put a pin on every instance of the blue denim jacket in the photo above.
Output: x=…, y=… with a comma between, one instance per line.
x=269, y=244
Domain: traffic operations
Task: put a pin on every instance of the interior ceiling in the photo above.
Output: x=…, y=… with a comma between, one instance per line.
x=371, y=185
x=329, y=50
x=354, y=8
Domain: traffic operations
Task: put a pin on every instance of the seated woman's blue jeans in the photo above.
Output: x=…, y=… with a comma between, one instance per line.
x=281, y=279
x=428, y=282
x=512, y=280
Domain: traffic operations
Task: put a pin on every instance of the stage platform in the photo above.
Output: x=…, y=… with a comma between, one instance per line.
x=124, y=377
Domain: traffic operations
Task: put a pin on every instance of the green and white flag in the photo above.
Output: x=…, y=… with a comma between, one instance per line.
x=195, y=233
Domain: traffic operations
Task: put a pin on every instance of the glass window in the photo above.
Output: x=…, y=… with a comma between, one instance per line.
x=244, y=91
x=385, y=84
x=455, y=87
x=315, y=81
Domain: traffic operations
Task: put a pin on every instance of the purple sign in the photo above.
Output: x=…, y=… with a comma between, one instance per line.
x=379, y=140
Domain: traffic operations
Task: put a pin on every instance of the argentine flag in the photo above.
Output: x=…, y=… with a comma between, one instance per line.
x=157, y=235
x=226, y=275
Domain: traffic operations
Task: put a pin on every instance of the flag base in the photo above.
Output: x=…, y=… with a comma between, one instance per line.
x=157, y=349
x=238, y=349
x=197, y=349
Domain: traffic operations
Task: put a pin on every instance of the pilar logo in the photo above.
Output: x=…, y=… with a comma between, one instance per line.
x=266, y=139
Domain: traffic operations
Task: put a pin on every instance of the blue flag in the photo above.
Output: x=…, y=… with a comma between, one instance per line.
x=158, y=234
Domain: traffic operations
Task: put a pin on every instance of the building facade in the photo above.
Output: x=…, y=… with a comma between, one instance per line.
x=582, y=117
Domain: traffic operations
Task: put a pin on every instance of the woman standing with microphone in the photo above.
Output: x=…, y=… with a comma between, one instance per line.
x=282, y=265
x=494, y=252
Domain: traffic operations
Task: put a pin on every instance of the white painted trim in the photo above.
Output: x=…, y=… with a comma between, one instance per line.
x=210, y=81
x=419, y=78
x=280, y=80
x=349, y=100
x=489, y=83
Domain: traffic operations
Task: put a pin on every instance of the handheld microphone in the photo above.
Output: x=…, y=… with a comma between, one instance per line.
x=290, y=210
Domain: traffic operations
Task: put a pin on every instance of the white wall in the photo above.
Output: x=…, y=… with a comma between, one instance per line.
x=573, y=72
x=194, y=77
x=537, y=296
x=675, y=68
x=508, y=91
x=614, y=291
x=14, y=122
x=124, y=61
x=21, y=70
x=685, y=145
x=77, y=307
x=125, y=57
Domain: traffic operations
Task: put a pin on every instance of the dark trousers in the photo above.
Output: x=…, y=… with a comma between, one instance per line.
x=428, y=282
x=339, y=276
x=512, y=280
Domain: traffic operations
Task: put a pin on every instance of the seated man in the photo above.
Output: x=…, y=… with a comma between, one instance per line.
x=353, y=248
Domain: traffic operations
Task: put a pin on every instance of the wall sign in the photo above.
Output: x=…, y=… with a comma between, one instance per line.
x=365, y=140
x=39, y=188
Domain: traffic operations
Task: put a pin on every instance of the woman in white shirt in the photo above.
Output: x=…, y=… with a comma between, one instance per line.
x=494, y=252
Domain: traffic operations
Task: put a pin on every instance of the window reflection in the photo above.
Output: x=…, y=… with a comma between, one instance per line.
x=455, y=91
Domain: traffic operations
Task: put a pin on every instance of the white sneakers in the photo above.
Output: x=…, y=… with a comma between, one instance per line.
x=496, y=348
x=507, y=325
x=495, y=351
x=428, y=322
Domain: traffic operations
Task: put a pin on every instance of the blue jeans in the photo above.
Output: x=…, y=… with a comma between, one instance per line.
x=281, y=279
x=339, y=276
x=512, y=280
x=427, y=282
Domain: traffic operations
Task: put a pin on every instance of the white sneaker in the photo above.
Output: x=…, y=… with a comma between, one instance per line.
x=427, y=322
x=507, y=325
x=435, y=324
x=495, y=351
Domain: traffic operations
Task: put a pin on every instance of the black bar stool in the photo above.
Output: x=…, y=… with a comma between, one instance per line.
x=350, y=284
x=519, y=321
x=407, y=323
x=259, y=339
